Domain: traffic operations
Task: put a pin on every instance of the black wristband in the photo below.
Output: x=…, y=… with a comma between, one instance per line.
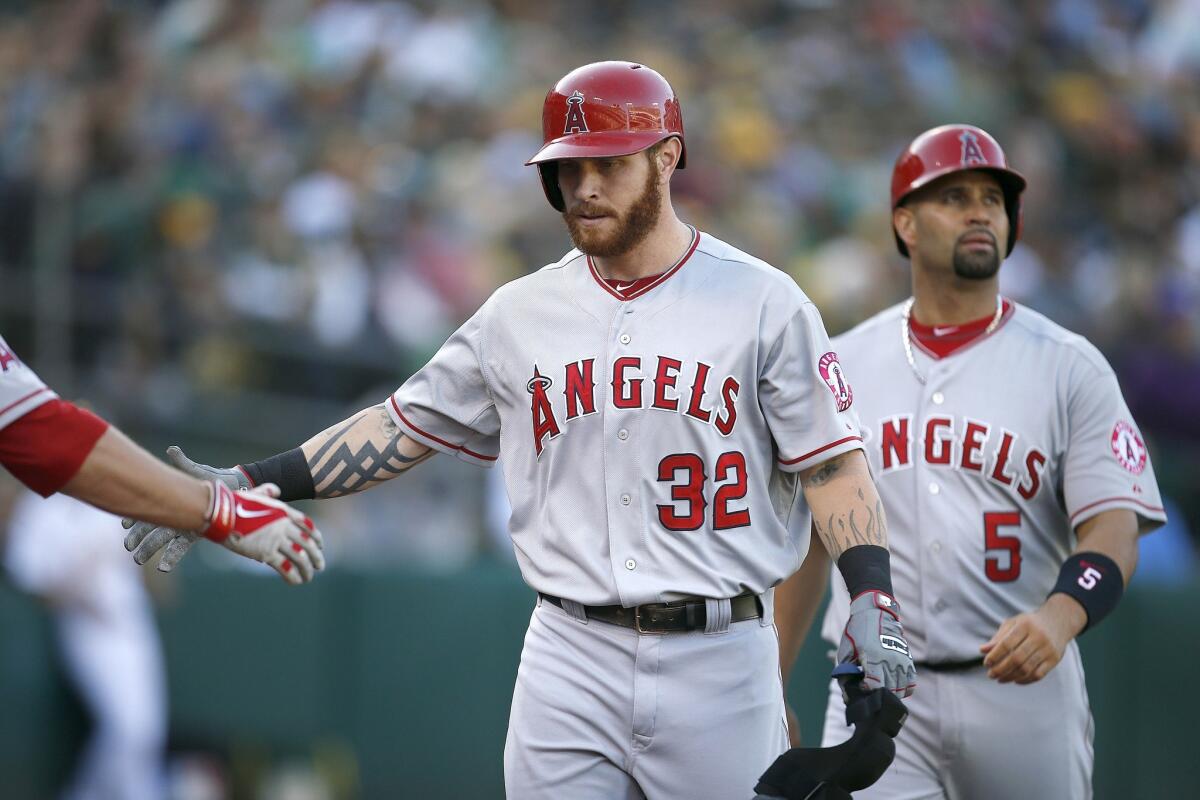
x=289, y=471
x=866, y=567
x=1095, y=581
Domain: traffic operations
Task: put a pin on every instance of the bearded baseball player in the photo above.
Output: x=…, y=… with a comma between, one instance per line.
x=51, y=445
x=654, y=396
x=1016, y=483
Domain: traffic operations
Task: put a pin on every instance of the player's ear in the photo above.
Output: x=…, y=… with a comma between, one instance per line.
x=905, y=223
x=666, y=156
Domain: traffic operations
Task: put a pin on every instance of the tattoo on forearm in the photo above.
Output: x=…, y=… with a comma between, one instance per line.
x=359, y=455
x=860, y=525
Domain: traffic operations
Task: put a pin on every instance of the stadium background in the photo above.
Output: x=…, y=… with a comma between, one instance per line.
x=227, y=225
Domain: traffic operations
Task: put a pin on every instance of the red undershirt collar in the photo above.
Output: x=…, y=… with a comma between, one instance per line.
x=942, y=340
x=626, y=290
x=629, y=288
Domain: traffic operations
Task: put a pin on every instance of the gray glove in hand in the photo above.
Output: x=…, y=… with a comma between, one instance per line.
x=874, y=639
x=145, y=538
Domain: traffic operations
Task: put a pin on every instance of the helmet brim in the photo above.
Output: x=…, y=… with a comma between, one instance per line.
x=599, y=144
x=1011, y=181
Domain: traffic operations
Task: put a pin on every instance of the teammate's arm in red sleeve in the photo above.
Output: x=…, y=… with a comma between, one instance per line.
x=47, y=446
x=122, y=478
x=61, y=447
x=796, y=602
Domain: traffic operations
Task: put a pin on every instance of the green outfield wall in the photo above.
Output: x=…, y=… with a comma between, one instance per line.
x=397, y=685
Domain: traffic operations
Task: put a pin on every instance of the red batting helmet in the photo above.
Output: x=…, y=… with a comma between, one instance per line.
x=956, y=148
x=610, y=108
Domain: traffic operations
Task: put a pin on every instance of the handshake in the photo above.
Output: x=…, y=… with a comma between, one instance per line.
x=247, y=519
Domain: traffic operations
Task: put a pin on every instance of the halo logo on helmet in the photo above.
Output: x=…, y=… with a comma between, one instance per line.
x=630, y=107
x=971, y=153
x=947, y=149
x=576, y=122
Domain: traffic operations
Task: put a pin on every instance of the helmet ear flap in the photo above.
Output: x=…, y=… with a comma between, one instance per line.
x=548, y=172
x=1016, y=219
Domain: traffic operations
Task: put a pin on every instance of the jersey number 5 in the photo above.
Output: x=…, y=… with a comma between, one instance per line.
x=730, y=473
x=994, y=540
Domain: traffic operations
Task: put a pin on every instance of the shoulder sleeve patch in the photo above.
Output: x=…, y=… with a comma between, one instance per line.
x=831, y=372
x=1128, y=447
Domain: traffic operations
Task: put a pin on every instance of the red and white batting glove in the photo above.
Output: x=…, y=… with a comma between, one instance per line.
x=256, y=525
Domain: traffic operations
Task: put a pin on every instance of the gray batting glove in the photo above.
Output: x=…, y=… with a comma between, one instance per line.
x=874, y=639
x=145, y=538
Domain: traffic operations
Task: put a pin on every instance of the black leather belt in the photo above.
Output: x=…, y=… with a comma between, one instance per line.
x=949, y=666
x=679, y=615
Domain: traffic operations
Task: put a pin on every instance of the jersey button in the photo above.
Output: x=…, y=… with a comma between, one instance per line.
x=934, y=488
x=940, y=605
x=939, y=398
x=630, y=564
x=936, y=547
x=624, y=338
x=622, y=434
x=626, y=500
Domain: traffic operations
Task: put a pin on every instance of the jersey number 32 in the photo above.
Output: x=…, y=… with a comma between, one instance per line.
x=687, y=511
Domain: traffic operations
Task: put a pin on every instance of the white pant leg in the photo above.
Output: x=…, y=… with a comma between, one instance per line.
x=720, y=719
x=568, y=729
x=1023, y=741
x=115, y=662
x=913, y=775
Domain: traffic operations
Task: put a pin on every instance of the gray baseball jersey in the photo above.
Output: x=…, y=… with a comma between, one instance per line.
x=649, y=441
x=985, y=471
x=21, y=391
x=987, y=468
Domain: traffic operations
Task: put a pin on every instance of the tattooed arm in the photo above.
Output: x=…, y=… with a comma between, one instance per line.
x=848, y=517
x=845, y=505
x=360, y=452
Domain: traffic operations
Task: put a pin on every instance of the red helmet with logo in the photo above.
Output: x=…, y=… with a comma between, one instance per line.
x=956, y=148
x=609, y=108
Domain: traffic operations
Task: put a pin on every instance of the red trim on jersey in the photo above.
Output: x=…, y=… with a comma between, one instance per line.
x=440, y=441
x=1133, y=500
x=32, y=394
x=636, y=291
x=953, y=338
x=798, y=459
x=45, y=448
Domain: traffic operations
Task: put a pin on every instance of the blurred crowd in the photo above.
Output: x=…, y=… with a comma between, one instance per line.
x=234, y=221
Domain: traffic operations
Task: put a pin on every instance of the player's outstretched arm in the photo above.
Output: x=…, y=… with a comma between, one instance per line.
x=1090, y=583
x=121, y=477
x=849, y=518
x=796, y=602
x=353, y=455
x=359, y=453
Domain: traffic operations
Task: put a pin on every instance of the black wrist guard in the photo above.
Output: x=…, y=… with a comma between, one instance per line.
x=1095, y=581
x=866, y=567
x=289, y=471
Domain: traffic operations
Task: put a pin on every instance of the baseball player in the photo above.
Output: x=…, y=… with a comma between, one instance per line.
x=65, y=554
x=1016, y=482
x=654, y=395
x=51, y=445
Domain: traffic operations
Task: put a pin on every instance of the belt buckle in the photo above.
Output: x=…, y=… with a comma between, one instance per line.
x=637, y=621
